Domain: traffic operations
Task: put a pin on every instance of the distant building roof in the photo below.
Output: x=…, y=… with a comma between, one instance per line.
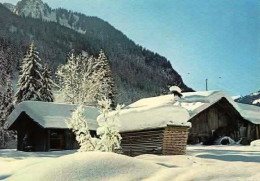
x=52, y=115
x=250, y=112
x=196, y=102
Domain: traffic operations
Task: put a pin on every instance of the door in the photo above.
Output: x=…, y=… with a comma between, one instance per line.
x=57, y=139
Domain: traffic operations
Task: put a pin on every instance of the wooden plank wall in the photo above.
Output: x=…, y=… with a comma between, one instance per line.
x=175, y=140
x=213, y=120
x=142, y=142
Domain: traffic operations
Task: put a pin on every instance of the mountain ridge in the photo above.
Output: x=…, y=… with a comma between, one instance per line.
x=252, y=99
x=137, y=71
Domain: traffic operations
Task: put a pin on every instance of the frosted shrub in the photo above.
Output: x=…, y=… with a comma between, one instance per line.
x=108, y=130
x=79, y=126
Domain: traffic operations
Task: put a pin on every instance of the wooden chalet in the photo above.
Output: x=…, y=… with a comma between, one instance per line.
x=41, y=126
x=215, y=115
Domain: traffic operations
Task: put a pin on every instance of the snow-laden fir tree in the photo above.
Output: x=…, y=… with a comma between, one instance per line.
x=6, y=107
x=107, y=83
x=77, y=80
x=3, y=67
x=46, y=93
x=79, y=126
x=108, y=130
x=30, y=79
x=6, y=93
x=9, y=96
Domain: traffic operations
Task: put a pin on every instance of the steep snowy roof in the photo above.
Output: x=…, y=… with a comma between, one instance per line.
x=150, y=113
x=250, y=112
x=51, y=115
x=196, y=102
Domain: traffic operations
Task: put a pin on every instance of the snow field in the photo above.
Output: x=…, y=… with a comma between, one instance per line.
x=201, y=163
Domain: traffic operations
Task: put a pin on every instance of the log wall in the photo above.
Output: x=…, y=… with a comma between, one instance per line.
x=221, y=119
x=175, y=140
x=168, y=141
x=142, y=142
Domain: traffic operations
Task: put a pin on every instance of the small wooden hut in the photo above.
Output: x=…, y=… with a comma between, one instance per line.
x=154, y=128
x=171, y=140
x=41, y=126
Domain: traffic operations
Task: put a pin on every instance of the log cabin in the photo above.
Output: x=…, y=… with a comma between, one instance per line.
x=41, y=126
x=154, y=129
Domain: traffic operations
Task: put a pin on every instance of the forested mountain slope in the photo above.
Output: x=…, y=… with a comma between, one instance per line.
x=253, y=98
x=138, y=72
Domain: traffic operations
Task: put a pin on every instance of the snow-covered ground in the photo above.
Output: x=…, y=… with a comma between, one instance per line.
x=200, y=163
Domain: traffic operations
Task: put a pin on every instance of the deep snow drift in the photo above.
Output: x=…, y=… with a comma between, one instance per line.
x=200, y=163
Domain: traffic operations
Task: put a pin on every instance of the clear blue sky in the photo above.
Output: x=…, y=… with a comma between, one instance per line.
x=202, y=38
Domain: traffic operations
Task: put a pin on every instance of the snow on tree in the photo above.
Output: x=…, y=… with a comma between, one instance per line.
x=6, y=107
x=6, y=96
x=9, y=95
x=79, y=126
x=108, y=129
x=30, y=79
x=3, y=66
x=107, y=86
x=77, y=80
x=46, y=93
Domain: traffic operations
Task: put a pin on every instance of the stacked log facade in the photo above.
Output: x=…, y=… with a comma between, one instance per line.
x=175, y=140
x=170, y=140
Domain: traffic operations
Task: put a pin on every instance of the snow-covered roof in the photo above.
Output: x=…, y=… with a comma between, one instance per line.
x=250, y=112
x=196, y=102
x=150, y=113
x=52, y=115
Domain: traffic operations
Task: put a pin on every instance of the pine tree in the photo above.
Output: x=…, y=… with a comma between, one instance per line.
x=4, y=66
x=108, y=129
x=46, y=93
x=107, y=84
x=6, y=107
x=30, y=79
x=9, y=95
x=2, y=122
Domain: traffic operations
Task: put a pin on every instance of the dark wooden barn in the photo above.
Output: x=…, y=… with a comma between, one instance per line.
x=42, y=126
x=218, y=120
x=215, y=115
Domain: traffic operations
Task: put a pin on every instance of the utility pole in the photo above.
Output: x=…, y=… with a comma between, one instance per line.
x=206, y=84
